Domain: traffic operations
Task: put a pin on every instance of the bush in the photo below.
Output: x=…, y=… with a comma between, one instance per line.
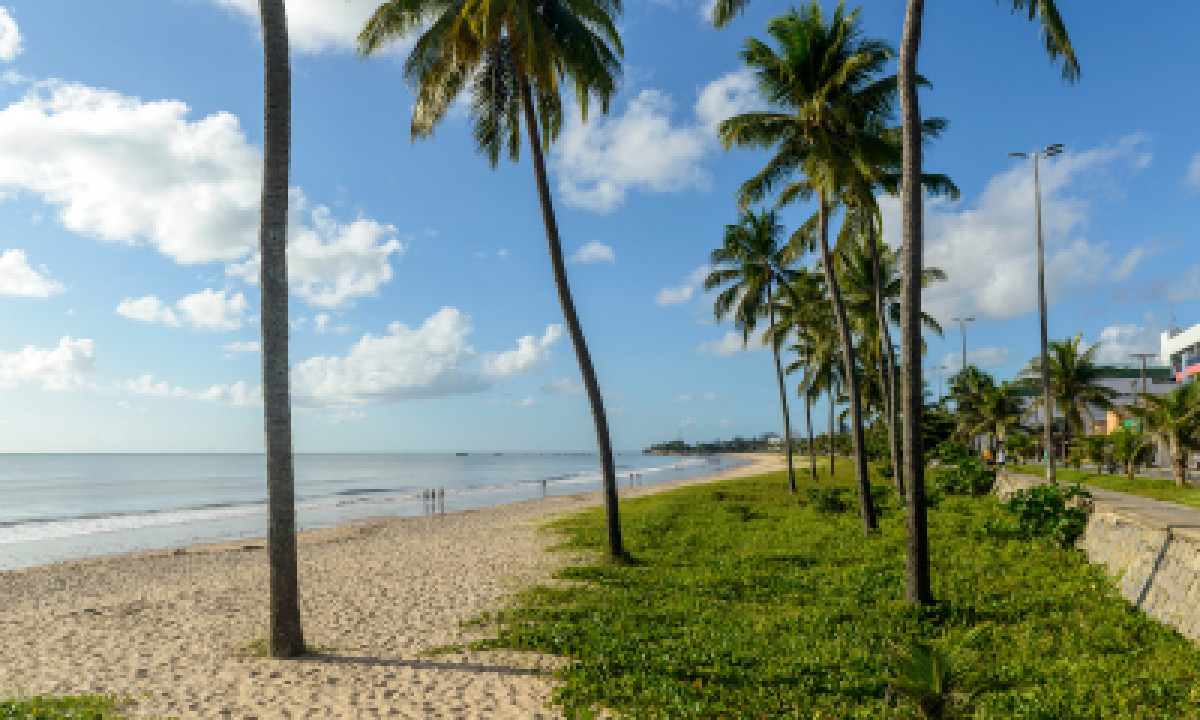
x=828, y=499
x=969, y=478
x=1056, y=512
x=947, y=451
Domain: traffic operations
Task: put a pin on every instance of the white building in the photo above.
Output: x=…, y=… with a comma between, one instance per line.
x=1180, y=349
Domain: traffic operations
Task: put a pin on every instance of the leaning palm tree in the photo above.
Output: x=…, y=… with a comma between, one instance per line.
x=512, y=56
x=286, y=636
x=1174, y=417
x=1075, y=383
x=753, y=263
x=828, y=85
x=917, y=590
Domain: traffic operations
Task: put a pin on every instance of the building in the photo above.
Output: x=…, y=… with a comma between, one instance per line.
x=1180, y=350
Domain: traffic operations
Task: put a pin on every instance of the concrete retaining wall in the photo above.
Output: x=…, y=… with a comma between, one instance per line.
x=1152, y=548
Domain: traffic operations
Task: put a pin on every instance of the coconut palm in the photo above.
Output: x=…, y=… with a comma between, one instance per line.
x=285, y=636
x=1130, y=448
x=997, y=412
x=512, y=56
x=1074, y=383
x=1174, y=417
x=828, y=84
x=753, y=263
x=821, y=360
x=802, y=312
x=917, y=590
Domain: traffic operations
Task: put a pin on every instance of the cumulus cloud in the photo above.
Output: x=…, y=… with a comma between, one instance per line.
x=316, y=26
x=432, y=361
x=599, y=162
x=239, y=394
x=680, y=294
x=730, y=343
x=127, y=171
x=18, y=278
x=988, y=246
x=147, y=384
x=531, y=354
x=58, y=368
x=1118, y=342
x=10, y=36
x=243, y=346
x=593, y=252
x=205, y=310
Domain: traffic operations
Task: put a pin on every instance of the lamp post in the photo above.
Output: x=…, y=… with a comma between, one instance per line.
x=962, y=325
x=1047, y=401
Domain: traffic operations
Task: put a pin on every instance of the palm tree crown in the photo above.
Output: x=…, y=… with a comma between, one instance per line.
x=1074, y=381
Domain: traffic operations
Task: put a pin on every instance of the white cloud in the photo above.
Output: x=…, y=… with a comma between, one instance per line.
x=731, y=94
x=148, y=385
x=527, y=402
x=18, y=278
x=730, y=343
x=1123, y=269
x=432, y=361
x=726, y=422
x=320, y=322
x=686, y=422
x=988, y=246
x=683, y=399
x=10, y=36
x=680, y=294
x=148, y=309
x=205, y=310
x=249, y=346
x=316, y=26
x=1192, y=179
x=1118, y=342
x=600, y=161
x=531, y=353
x=706, y=397
x=593, y=252
x=563, y=386
x=979, y=357
x=58, y=368
x=123, y=170
x=239, y=394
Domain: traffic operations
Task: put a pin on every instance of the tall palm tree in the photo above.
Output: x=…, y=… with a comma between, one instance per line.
x=821, y=360
x=1074, y=383
x=286, y=636
x=1175, y=418
x=803, y=313
x=754, y=263
x=998, y=413
x=514, y=55
x=828, y=84
x=917, y=590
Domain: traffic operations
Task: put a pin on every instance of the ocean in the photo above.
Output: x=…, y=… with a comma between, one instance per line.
x=65, y=507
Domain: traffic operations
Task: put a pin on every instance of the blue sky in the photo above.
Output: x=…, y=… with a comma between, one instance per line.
x=424, y=314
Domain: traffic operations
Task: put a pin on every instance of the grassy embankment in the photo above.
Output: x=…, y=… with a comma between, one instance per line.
x=1156, y=488
x=88, y=707
x=744, y=602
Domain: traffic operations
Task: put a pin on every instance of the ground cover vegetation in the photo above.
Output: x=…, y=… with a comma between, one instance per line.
x=1155, y=488
x=746, y=601
x=89, y=707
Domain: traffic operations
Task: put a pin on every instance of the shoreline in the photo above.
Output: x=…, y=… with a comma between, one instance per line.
x=378, y=591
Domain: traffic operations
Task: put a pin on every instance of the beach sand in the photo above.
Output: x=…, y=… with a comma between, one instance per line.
x=168, y=628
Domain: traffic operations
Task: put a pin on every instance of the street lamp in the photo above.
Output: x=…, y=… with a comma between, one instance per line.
x=1047, y=152
x=962, y=325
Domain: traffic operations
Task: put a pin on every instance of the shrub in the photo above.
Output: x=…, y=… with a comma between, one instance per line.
x=828, y=499
x=1056, y=512
x=970, y=477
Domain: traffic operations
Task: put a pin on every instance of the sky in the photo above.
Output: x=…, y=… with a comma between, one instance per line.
x=423, y=311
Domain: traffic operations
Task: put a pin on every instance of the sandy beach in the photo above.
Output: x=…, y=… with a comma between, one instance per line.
x=169, y=627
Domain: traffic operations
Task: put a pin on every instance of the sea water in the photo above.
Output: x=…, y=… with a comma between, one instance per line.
x=62, y=507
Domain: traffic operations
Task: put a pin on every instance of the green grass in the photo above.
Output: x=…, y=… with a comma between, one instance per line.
x=87, y=707
x=742, y=602
x=1157, y=488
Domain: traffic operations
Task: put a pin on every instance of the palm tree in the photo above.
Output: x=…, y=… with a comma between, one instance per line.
x=998, y=412
x=967, y=388
x=917, y=590
x=1175, y=418
x=803, y=311
x=1129, y=447
x=828, y=84
x=1020, y=444
x=514, y=55
x=286, y=636
x=753, y=262
x=1074, y=383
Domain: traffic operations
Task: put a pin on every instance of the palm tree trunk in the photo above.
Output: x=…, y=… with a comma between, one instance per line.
x=887, y=385
x=787, y=420
x=286, y=636
x=916, y=585
x=830, y=434
x=865, y=505
x=812, y=452
x=616, y=550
